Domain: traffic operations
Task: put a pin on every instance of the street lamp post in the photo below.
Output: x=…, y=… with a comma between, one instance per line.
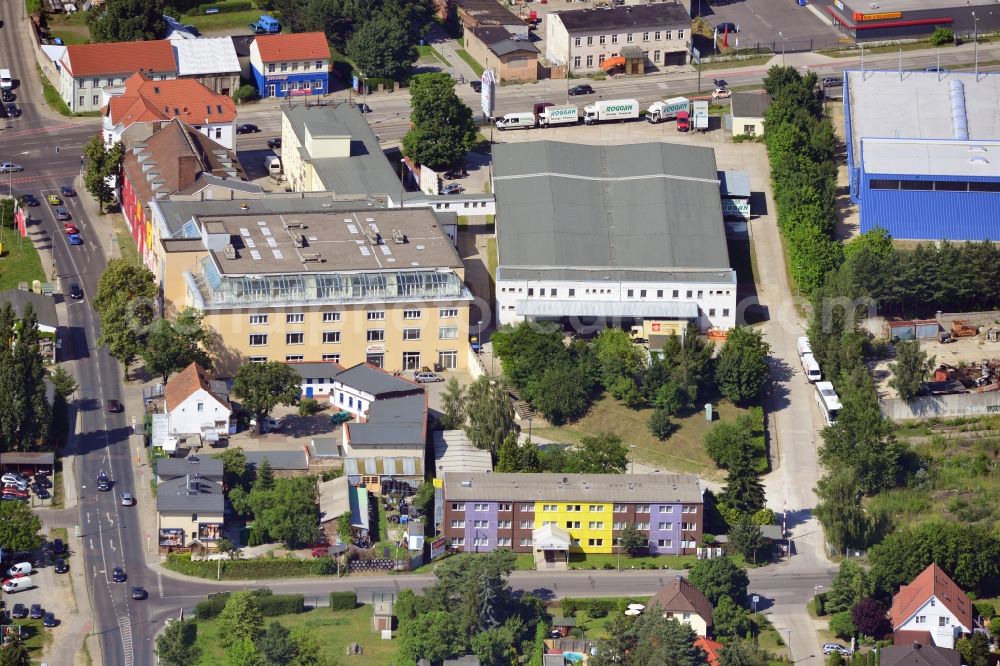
x=529, y=428
x=479, y=336
x=631, y=456
x=782, y=36
x=975, y=39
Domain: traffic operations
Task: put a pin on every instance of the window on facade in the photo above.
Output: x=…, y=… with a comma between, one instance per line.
x=642, y=508
x=572, y=293
x=590, y=41
x=595, y=542
x=258, y=320
x=725, y=312
x=680, y=34
x=590, y=61
x=295, y=318
x=595, y=525
x=411, y=314
x=330, y=317
x=295, y=338
x=411, y=333
x=601, y=39
x=645, y=36
x=642, y=526
x=711, y=312
x=294, y=358
x=448, y=313
x=95, y=100
x=629, y=38
x=527, y=507
x=458, y=523
x=332, y=357
x=942, y=621
x=620, y=508
x=614, y=39
x=664, y=543
x=270, y=68
x=331, y=337
x=200, y=407
x=258, y=359
x=578, y=41
x=378, y=315
x=80, y=101
x=700, y=293
x=642, y=293
x=284, y=66
x=527, y=524
x=656, y=35
x=503, y=507
x=258, y=339
x=376, y=335
x=448, y=332
x=656, y=56
x=572, y=524
x=458, y=506
x=576, y=65
x=630, y=293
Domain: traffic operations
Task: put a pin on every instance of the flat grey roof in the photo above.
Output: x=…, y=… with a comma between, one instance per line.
x=325, y=447
x=375, y=381
x=925, y=105
x=279, y=460
x=639, y=206
x=392, y=422
x=455, y=452
x=174, y=495
x=749, y=104
x=631, y=16
x=734, y=183
x=924, y=157
x=367, y=171
x=569, y=487
x=43, y=305
x=316, y=369
x=332, y=242
x=207, y=466
x=507, y=46
x=616, y=309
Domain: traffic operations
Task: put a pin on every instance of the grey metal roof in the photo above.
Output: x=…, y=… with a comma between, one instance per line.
x=749, y=104
x=325, y=447
x=279, y=460
x=367, y=171
x=455, y=452
x=727, y=275
x=628, y=488
x=334, y=499
x=44, y=306
x=392, y=422
x=316, y=369
x=506, y=46
x=177, y=495
x=617, y=309
x=918, y=655
x=171, y=468
x=619, y=18
x=375, y=381
x=388, y=466
x=651, y=205
x=734, y=183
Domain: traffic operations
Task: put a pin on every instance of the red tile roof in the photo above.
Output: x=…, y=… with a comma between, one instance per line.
x=711, y=648
x=182, y=385
x=300, y=46
x=932, y=582
x=145, y=100
x=120, y=58
x=679, y=596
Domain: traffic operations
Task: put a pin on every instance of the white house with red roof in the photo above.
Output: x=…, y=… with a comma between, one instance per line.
x=154, y=103
x=931, y=608
x=194, y=406
x=87, y=69
x=291, y=64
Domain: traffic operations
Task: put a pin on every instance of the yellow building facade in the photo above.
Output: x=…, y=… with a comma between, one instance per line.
x=589, y=524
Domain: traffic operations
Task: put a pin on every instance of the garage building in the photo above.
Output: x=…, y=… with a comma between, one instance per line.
x=610, y=235
x=930, y=170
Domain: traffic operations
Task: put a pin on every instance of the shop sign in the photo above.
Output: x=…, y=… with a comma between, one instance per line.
x=375, y=349
x=858, y=16
x=738, y=208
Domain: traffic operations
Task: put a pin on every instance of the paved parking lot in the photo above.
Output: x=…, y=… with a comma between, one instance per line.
x=760, y=21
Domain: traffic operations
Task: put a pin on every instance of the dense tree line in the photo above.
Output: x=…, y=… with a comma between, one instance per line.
x=25, y=411
x=802, y=147
x=126, y=21
x=470, y=608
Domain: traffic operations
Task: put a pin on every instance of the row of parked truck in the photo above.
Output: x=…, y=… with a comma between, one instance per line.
x=547, y=114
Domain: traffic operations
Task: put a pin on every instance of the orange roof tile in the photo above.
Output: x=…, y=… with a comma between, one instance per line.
x=679, y=595
x=932, y=582
x=146, y=100
x=182, y=385
x=120, y=58
x=711, y=648
x=300, y=46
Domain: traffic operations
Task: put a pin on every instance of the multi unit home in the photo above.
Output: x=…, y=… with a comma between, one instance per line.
x=377, y=286
x=685, y=603
x=558, y=514
x=317, y=377
x=194, y=406
x=211, y=61
x=509, y=53
x=190, y=502
x=632, y=38
x=932, y=610
x=143, y=105
x=611, y=235
x=291, y=64
x=176, y=160
x=87, y=69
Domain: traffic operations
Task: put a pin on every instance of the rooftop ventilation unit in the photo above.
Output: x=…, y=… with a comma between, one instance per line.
x=229, y=251
x=294, y=225
x=959, y=117
x=398, y=237
x=300, y=240
x=311, y=257
x=374, y=237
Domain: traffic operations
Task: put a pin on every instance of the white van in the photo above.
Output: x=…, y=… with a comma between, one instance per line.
x=273, y=165
x=516, y=121
x=803, y=346
x=19, y=569
x=17, y=585
x=811, y=368
x=6, y=83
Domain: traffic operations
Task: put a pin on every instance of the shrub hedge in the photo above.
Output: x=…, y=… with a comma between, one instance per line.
x=343, y=601
x=271, y=605
x=227, y=7
x=252, y=569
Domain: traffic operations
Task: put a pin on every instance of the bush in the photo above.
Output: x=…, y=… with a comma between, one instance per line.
x=819, y=602
x=986, y=609
x=842, y=625
x=270, y=604
x=343, y=601
x=211, y=607
x=247, y=93
x=660, y=424
x=252, y=569
x=227, y=7
x=597, y=608
x=942, y=36
x=309, y=406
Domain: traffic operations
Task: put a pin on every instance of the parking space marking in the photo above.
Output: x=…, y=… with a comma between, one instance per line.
x=159, y=583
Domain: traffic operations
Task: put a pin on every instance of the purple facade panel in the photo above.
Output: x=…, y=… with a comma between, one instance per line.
x=480, y=524
x=665, y=525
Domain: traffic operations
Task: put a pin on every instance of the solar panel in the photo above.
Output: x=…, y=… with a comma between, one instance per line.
x=255, y=254
x=262, y=223
x=265, y=230
x=353, y=229
x=272, y=243
x=365, y=251
x=278, y=254
x=250, y=243
x=385, y=250
x=244, y=232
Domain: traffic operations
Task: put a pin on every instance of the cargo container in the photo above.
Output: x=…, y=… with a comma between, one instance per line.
x=613, y=109
x=667, y=109
x=558, y=115
x=699, y=111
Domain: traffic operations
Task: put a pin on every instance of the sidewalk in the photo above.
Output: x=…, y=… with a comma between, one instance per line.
x=448, y=47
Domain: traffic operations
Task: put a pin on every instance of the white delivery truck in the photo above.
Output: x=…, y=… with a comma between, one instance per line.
x=558, y=115
x=667, y=109
x=19, y=569
x=523, y=120
x=803, y=346
x=613, y=109
x=699, y=111
x=17, y=585
x=811, y=367
x=6, y=83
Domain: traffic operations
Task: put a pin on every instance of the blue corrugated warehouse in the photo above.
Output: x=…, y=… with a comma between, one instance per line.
x=923, y=153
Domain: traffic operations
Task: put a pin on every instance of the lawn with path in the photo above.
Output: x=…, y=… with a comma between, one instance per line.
x=19, y=261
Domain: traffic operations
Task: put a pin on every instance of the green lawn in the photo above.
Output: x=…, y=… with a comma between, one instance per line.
x=223, y=21
x=333, y=629
x=730, y=64
x=611, y=560
x=476, y=67
x=491, y=257
x=52, y=97
x=126, y=244
x=19, y=261
x=71, y=28
x=428, y=54
x=684, y=451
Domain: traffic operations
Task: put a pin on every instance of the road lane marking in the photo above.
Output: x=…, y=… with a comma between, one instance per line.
x=111, y=543
x=91, y=543
x=126, y=629
x=159, y=582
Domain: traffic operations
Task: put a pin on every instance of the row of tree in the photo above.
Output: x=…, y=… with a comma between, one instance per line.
x=802, y=147
x=25, y=412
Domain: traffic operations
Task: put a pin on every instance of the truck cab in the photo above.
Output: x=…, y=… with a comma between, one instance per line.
x=683, y=121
